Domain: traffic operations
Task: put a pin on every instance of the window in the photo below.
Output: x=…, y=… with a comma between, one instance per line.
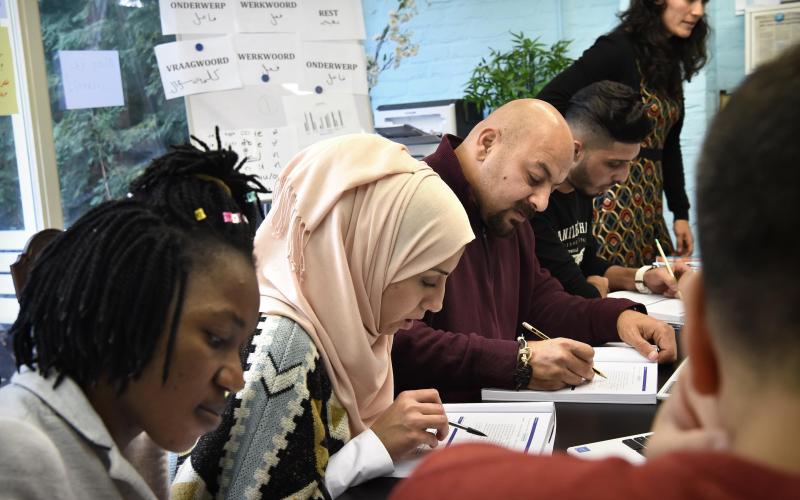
x=100, y=149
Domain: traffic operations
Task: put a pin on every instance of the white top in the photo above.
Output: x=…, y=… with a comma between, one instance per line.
x=362, y=458
x=53, y=445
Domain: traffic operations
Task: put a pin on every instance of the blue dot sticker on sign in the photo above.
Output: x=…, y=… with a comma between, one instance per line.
x=265, y=78
x=318, y=89
x=779, y=17
x=199, y=47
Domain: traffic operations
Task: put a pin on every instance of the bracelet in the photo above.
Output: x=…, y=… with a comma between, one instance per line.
x=524, y=370
x=638, y=280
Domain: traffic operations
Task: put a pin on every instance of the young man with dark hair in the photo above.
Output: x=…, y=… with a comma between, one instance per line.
x=729, y=429
x=608, y=123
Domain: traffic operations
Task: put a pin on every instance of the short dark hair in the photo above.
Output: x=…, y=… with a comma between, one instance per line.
x=748, y=187
x=103, y=292
x=609, y=110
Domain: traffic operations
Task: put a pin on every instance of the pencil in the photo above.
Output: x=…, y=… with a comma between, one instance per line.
x=468, y=429
x=669, y=268
x=542, y=336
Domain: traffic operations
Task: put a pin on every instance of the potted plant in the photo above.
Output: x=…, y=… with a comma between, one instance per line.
x=518, y=73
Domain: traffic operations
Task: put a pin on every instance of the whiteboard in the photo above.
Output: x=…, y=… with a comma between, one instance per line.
x=768, y=31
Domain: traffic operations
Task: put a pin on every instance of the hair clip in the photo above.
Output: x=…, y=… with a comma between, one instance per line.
x=199, y=214
x=215, y=180
x=232, y=217
x=251, y=197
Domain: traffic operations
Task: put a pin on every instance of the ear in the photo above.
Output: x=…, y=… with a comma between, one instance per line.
x=697, y=337
x=487, y=138
x=579, y=152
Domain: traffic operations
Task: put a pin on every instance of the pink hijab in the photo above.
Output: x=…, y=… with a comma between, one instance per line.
x=351, y=215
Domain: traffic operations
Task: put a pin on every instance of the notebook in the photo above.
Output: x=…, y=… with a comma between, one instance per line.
x=631, y=448
x=632, y=379
x=658, y=306
x=525, y=427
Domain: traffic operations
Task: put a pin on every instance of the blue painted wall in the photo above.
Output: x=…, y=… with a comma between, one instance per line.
x=455, y=34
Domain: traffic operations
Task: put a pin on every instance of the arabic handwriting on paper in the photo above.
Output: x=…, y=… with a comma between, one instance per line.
x=211, y=76
x=275, y=19
x=198, y=18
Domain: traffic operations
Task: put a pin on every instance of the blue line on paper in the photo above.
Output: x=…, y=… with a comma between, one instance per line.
x=644, y=379
x=533, y=431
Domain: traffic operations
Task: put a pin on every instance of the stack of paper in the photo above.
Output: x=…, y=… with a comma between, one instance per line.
x=658, y=306
x=524, y=427
x=631, y=379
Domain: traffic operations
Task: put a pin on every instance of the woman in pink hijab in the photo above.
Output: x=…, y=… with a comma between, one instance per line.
x=359, y=243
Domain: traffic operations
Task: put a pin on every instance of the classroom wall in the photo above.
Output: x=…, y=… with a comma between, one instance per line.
x=453, y=35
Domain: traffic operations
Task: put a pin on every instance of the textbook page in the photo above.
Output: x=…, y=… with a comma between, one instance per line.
x=631, y=379
x=527, y=430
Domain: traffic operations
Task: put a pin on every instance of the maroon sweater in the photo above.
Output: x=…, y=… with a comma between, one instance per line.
x=496, y=286
x=482, y=471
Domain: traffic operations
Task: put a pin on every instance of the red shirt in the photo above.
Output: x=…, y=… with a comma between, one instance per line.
x=485, y=471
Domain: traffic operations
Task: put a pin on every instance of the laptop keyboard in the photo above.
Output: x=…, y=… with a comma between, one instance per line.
x=638, y=443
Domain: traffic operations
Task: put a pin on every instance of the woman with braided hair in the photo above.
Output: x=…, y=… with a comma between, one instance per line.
x=131, y=322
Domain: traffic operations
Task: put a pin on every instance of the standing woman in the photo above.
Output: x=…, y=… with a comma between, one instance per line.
x=657, y=45
x=359, y=243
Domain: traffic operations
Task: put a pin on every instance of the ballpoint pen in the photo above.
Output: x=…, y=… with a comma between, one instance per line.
x=468, y=429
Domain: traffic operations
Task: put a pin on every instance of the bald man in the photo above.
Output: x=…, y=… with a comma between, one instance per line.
x=503, y=173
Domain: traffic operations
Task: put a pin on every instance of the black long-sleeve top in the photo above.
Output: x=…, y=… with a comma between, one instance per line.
x=565, y=244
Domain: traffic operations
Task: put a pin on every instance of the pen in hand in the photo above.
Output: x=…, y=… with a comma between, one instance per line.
x=669, y=268
x=542, y=336
x=468, y=429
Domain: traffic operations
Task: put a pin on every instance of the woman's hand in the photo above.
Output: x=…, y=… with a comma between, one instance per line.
x=683, y=236
x=404, y=425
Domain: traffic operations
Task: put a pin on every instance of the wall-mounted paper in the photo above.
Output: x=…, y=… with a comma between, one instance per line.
x=90, y=78
x=192, y=16
x=316, y=117
x=334, y=67
x=8, y=85
x=197, y=66
x=247, y=107
x=268, y=60
x=266, y=150
x=268, y=16
x=332, y=20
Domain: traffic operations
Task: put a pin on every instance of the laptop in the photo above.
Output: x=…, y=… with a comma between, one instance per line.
x=666, y=389
x=630, y=448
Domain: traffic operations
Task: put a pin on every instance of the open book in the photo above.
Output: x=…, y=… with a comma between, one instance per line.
x=526, y=427
x=658, y=306
x=631, y=379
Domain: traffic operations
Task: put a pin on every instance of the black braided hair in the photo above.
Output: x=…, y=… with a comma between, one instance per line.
x=173, y=182
x=102, y=293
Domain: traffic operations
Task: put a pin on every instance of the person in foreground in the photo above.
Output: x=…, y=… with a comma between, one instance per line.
x=359, y=242
x=608, y=122
x=130, y=325
x=657, y=45
x=503, y=173
x=729, y=431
